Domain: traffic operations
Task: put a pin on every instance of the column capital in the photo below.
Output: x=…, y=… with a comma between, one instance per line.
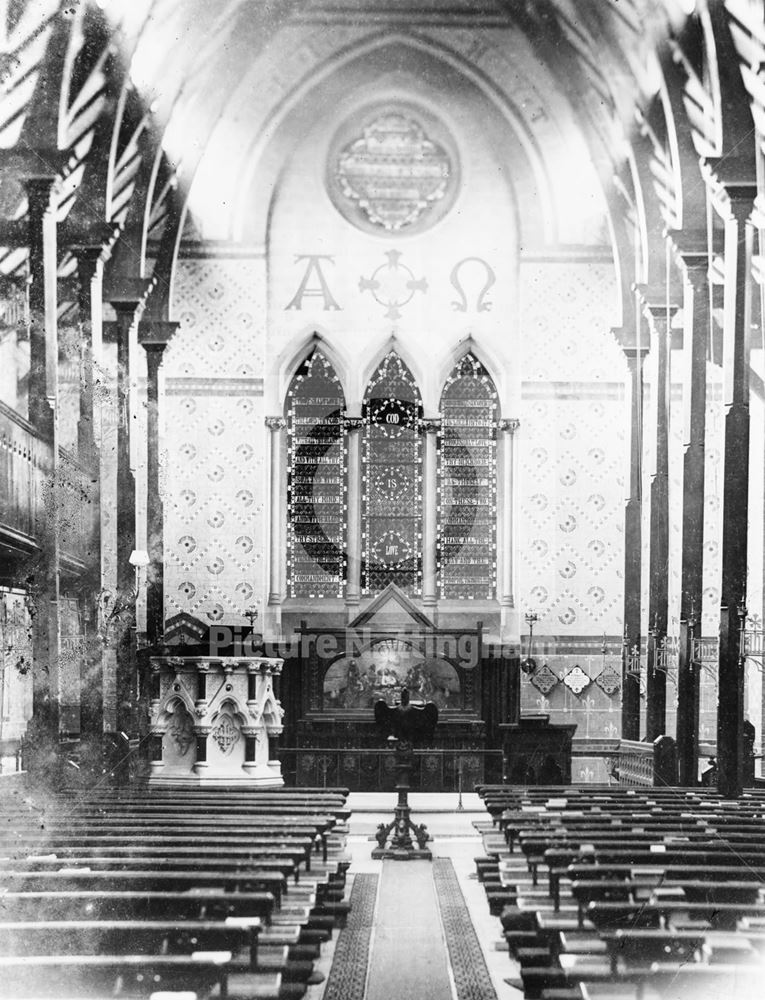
x=695, y=266
x=88, y=258
x=635, y=353
x=352, y=423
x=95, y=244
x=40, y=190
x=659, y=313
x=509, y=425
x=156, y=334
x=126, y=295
x=275, y=424
x=738, y=199
x=431, y=425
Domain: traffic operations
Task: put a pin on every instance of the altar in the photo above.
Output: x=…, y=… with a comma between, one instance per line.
x=339, y=674
x=215, y=721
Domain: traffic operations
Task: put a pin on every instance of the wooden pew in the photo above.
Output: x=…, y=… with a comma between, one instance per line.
x=145, y=937
x=121, y=865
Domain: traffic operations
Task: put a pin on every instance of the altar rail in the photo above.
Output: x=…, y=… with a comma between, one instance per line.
x=363, y=770
x=647, y=764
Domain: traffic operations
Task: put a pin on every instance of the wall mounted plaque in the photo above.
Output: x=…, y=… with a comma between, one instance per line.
x=392, y=169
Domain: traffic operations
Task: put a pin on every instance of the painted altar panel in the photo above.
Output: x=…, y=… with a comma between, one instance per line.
x=383, y=671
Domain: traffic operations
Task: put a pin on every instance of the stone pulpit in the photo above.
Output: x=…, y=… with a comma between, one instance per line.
x=215, y=721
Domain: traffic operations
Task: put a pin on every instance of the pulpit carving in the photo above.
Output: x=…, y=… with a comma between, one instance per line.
x=226, y=734
x=181, y=727
x=239, y=713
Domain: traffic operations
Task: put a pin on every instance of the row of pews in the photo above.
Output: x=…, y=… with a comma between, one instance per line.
x=628, y=894
x=195, y=894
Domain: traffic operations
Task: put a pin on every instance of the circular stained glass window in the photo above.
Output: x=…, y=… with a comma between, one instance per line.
x=393, y=169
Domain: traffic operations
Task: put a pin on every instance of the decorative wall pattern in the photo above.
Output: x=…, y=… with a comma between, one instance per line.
x=572, y=450
x=214, y=430
x=572, y=510
x=582, y=687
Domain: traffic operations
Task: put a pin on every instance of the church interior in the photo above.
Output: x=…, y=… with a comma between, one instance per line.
x=382, y=424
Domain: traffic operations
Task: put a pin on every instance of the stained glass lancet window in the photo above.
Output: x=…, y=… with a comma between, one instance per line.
x=467, y=461
x=392, y=480
x=316, y=481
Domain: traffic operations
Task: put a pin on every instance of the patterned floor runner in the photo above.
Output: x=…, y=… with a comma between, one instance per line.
x=471, y=976
x=348, y=974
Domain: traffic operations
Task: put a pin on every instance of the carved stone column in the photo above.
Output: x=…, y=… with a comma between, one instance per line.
x=126, y=301
x=633, y=550
x=91, y=668
x=738, y=292
x=43, y=730
x=353, y=427
x=89, y=288
x=431, y=427
x=154, y=336
x=659, y=319
x=43, y=329
x=276, y=426
x=506, y=527
x=695, y=265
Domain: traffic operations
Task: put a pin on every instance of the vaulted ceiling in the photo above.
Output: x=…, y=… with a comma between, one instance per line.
x=150, y=111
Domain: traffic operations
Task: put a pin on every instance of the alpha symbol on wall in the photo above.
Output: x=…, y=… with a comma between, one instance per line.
x=314, y=283
x=393, y=285
x=480, y=277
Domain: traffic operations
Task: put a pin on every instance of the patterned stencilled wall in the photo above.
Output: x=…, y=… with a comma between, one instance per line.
x=215, y=482
x=571, y=445
x=571, y=541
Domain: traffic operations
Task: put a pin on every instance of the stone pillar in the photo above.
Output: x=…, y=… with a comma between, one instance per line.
x=738, y=292
x=154, y=336
x=633, y=545
x=506, y=533
x=89, y=286
x=43, y=730
x=91, y=667
x=695, y=265
x=276, y=426
x=431, y=427
x=659, y=319
x=43, y=332
x=353, y=427
x=126, y=303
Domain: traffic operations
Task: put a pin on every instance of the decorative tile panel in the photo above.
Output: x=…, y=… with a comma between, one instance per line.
x=576, y=680
x=544, y=679
x=216, y=450
x=571, y=449
x=609, y=680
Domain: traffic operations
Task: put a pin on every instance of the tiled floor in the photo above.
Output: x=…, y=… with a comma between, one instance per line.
x=453, y=837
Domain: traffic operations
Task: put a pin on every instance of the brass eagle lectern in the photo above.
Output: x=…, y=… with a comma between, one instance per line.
x=404, y=725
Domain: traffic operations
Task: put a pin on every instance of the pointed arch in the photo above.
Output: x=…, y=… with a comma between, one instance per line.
x=289, y=363
x=392, y=345
x=391, y=463
x=316, y=480
x=467, y=480
x=484, y=356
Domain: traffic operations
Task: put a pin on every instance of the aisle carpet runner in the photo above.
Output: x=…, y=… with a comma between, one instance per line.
x=348, y=975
